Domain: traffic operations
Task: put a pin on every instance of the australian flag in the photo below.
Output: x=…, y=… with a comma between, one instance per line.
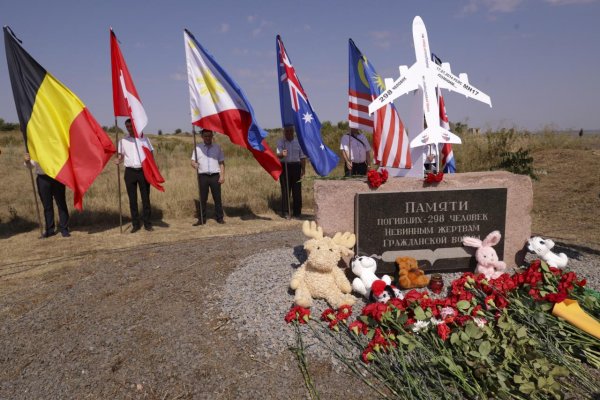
x=296, y=110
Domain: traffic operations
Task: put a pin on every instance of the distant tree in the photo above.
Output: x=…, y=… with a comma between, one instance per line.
x=343, y=125
x=459, y=127
x=177, y=131
x=112, y=129
x=159, y=132
x=8, y=126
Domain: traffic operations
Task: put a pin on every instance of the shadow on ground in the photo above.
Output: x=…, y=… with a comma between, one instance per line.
x=16, y=224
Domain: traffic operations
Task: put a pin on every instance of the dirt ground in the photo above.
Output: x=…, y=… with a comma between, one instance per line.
x=144, y=323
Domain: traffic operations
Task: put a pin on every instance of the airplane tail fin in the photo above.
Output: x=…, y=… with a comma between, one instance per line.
x=434, y=135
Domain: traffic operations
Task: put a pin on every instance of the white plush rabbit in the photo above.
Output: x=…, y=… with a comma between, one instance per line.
x=487, y=259
x=542, y=247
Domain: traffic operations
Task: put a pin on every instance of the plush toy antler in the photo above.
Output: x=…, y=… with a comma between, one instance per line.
x=311, y=230
x=487, y=259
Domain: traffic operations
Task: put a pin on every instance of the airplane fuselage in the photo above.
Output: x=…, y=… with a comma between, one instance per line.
x=423, y=54
x=428, y=76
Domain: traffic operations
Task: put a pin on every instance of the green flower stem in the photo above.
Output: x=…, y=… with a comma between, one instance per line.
x=299, y=351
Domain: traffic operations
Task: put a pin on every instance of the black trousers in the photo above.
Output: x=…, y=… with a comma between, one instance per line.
x=294, y=174
x=134, y=177
x=210, y=182
x=48, y=189
x=357, y=169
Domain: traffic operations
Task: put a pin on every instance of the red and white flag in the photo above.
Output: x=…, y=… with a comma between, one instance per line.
x=447, y=161
x=126, y=102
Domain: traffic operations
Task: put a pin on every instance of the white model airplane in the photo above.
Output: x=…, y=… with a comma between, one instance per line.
x=424, y=74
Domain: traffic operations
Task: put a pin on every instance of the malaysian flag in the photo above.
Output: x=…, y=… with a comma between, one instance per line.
x=296, y=110
x=390, y=141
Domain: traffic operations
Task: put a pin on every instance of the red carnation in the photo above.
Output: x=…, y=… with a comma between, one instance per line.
x=443, y=331
x=358, y=327
x=375, y=310
x=299, y=314
x=328, y=315
x=367, y=355
x=384, y=175
x=412, y=296
x=344, y=312
x=555, y=297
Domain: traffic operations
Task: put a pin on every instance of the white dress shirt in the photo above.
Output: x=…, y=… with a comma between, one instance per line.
x=294, y=151
x=358, y=148
x=37, y=168
x=209, y=158
x=127, y=147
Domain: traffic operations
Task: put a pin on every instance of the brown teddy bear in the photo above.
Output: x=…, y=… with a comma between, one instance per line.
x=410, y=276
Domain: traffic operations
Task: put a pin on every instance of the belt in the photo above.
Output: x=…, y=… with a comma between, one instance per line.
x=292, y=163
x=209, y=173
x=135, y=169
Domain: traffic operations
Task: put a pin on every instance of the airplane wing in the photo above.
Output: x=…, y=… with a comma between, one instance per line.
x=434, y=135
x=404, y=84
x=446, y=80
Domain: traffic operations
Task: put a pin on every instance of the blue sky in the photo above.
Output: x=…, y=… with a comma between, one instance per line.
x=538, y=60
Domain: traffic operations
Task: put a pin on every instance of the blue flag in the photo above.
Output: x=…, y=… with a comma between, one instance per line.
x=296, y=110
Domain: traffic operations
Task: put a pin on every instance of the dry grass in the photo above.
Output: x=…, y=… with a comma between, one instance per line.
x=248, y=189
x=566, y=195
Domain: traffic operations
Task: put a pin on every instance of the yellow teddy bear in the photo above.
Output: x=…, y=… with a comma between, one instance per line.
x=410, y=276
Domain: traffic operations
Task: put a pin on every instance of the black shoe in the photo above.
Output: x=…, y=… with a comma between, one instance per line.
x=149, y=228
x=198, y=223
x=65, y=234
x=135, y=229
x=220, y=221
x=46, y=235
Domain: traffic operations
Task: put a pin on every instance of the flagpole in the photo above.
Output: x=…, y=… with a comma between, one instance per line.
x=119, y=178
x=37, y=205
x=287, y=186
x=200, y=216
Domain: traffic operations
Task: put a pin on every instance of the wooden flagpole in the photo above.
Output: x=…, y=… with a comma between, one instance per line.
x=200, y=216
x=119, y=177
x=35, y=198
x=287, y=188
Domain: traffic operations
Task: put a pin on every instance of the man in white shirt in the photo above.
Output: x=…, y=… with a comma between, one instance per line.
x=129, y=151
x=429, y=163
x=48, y=189
x=356, y=152
x=209, y=162
x=293, y=162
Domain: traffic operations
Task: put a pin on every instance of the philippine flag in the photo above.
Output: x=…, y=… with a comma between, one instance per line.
x=126, y=102
x=219, y=104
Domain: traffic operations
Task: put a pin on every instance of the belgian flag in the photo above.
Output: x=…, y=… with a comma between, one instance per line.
x=61, y=135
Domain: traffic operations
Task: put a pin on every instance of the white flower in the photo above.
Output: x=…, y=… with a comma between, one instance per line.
x=447, y=312
x=480, y=322
x=419, y=325
x=436, y=321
